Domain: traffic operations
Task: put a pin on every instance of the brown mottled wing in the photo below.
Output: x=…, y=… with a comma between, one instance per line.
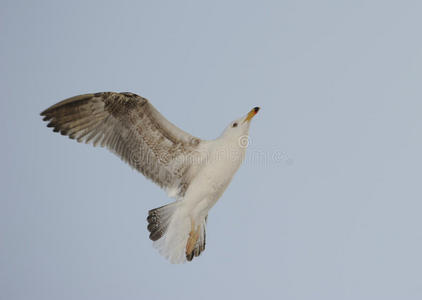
x=131, y=127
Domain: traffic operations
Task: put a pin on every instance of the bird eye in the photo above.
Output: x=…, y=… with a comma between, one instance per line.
x=234, y=125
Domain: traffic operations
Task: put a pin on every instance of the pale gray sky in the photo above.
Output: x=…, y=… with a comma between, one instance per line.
x=328, y=204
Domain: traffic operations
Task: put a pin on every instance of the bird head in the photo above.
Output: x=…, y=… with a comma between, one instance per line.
x=240, y=126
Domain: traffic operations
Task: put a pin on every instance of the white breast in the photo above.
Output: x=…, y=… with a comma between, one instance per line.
x=223, y=160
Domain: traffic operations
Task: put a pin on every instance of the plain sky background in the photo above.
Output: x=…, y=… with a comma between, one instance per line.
x=328, y=203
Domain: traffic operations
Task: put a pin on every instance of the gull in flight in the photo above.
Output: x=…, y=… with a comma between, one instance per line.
x=193, y=171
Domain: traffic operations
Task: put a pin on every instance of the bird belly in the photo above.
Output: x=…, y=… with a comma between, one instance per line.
x=208, y=187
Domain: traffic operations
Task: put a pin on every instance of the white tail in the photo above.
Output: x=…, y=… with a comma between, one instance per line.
x=175, y=234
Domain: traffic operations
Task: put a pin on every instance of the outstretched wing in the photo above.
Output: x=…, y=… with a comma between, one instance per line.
x=131, y=127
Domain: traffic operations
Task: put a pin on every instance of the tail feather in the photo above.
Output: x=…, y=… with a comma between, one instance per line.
x=159, y=219
x=175, y=234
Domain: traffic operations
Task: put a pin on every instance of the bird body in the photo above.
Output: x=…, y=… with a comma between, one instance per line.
x=193, y=171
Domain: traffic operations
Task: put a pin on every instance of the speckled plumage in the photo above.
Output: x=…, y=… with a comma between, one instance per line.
x=128, y=125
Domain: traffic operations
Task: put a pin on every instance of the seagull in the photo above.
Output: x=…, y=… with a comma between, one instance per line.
x=193, y=171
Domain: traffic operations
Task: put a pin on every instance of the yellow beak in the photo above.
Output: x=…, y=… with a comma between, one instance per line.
x=251, y=114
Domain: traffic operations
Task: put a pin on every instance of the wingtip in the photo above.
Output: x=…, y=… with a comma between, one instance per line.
x=44, y=115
